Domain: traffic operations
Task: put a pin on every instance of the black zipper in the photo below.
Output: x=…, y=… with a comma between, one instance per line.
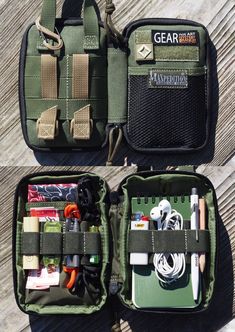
x=198, y=309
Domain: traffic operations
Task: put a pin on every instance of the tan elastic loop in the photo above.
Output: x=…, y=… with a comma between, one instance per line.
x=47, y=126
x=81, y=125
x=49, y=76
x=80, y=78
x=53, y=35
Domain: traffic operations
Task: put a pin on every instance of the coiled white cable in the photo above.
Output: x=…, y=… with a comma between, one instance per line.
x=170, y=266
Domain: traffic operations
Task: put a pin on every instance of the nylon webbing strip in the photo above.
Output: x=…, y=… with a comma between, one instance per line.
x=81, y=243
x=51, y=243
x=70, y=243
x=30, y=243
x=81, y=125
x=49, y=76
x=80, y=76
x=180, y=241
x=47, y=125
x=41, y=243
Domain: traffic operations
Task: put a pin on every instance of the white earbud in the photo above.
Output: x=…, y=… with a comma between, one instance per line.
x=155, y=214
x=161, y=211
x=168, y=219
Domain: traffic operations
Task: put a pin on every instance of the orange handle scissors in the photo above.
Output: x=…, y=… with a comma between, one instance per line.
x=73, y=271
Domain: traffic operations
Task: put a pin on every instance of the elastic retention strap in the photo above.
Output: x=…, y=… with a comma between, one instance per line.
x=113, y=148
x=109, y=26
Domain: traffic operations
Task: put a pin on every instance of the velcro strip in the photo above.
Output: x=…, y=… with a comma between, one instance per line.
x=179, y=241
x=80, y=76
x=49, y=76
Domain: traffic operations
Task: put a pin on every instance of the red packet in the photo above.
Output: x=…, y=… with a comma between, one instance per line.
x=45, y=213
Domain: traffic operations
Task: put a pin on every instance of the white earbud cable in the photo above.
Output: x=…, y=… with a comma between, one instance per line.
x=170, y=266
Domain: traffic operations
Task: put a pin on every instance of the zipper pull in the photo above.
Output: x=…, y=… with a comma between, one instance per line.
x=114, y=133
x=114, y=285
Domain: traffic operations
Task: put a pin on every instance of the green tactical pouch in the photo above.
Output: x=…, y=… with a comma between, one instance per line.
x=82, y=84
x=63, y=81
x=116, y=276
x=166, y=85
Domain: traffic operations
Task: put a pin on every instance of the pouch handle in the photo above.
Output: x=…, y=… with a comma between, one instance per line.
x=90, y=22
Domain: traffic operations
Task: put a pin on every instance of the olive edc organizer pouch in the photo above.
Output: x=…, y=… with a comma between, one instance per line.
x=81, y=83
x=92, y=252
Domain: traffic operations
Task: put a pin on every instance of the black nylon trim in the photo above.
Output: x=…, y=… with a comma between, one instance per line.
x=51, y=244
x=180, y=241
x=30, y=244
x=76, y=243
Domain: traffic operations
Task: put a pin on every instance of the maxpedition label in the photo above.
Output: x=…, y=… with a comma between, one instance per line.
x=168, y=79
x=179, y=38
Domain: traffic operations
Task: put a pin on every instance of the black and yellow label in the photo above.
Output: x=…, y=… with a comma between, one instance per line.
x=168, y=79
x=179, y=38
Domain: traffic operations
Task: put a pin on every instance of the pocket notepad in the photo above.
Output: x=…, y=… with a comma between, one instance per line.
x=147, y=290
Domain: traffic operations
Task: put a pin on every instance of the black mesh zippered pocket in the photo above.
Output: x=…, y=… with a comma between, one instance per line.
x=163, y=117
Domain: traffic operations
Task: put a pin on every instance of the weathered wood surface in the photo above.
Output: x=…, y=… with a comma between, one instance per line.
x=222, y=309
x=217, y=16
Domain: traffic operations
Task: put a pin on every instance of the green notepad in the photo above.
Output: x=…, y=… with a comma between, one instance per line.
x=147, y=290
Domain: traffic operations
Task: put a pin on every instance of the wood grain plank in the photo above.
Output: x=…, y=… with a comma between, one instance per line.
x=217, y=16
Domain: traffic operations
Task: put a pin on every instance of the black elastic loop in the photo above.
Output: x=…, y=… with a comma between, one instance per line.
x=30, y=243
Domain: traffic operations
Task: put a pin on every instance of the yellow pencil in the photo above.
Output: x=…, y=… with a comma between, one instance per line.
x=202, y=211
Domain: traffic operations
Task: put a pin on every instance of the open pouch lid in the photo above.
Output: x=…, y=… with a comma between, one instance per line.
x=150, y=187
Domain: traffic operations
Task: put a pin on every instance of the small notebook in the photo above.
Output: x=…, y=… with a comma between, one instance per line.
x=147, y=290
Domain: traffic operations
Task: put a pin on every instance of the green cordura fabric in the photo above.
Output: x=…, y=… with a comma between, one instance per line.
x=37, y=106
x=176, y=53
x=97, y=66
x=30, y=243
x=117, y=86
x=48, y=14
x=141, y=35
x=73, y=36
x=115, y=216
x=81, y=243
x=172, y=185
x=180, y=241
x=33, y=88
x=91, y=25
x=51, y=244
x=57, y=205
x=145, y=70
x=64, y=137
x=59, y=300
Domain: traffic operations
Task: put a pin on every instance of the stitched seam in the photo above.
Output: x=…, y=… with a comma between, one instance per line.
x=67, y=89
x=185, y=242
x=84, y=242
x=153, y=246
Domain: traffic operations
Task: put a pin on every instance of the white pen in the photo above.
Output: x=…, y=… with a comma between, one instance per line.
x=195, y=256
